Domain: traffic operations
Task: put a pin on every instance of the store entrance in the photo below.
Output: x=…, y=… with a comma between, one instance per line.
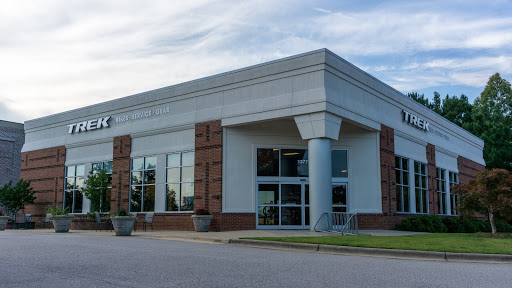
x=283, y=205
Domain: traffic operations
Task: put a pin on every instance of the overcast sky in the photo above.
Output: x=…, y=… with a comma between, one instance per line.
x=60, y=55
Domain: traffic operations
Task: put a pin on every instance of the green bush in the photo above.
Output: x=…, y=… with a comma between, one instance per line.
x=503, y=226
x=453, y=225
x=423, y=223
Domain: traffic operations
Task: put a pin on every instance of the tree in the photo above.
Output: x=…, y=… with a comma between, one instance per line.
x=96, y=188
x=15, y=197
x=490, y=193
x=491, y=120
x=457, y=110
x=436, y=105
x=420, y=99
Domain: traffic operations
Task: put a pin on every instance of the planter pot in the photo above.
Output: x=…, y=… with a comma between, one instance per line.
x=123, y=225
x=202, y=222
x=3, y=222
x=61, y=223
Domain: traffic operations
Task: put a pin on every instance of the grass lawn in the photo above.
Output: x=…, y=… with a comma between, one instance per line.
x=457, y=242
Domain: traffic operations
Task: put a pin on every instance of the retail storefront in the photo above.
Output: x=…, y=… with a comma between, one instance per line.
x=272, y=146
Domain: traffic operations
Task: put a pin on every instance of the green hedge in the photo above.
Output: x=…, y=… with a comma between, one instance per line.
x=436, y=224
x=423, y=223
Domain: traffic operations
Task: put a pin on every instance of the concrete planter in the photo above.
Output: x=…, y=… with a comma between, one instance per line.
x=123, y=225
x=3, y=222
x=61, y=223
x=202, y=222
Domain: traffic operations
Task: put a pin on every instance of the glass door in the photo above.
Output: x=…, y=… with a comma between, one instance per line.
x=292, y=205
x=283, y=205
x=268, y=205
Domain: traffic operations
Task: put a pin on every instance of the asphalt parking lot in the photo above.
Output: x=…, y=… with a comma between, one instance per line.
x=44, y=259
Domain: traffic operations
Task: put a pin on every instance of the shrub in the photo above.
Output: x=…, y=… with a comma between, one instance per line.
x=57, y=210
x=423, y=223
x=453, y=225
x=503, y=226
x=122, y=212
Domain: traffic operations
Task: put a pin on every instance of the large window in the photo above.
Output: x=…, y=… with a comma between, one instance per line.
x=420, y=186
x=454, y=180
x=294, y=163
x=105, y=199
x=180, y=182
x=73, y=196
x=402, y=184
x=142, y=190
x=441, y=191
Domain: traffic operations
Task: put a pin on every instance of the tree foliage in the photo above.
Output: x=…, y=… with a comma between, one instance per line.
x=15, y=197
x=489, y=118
x=95, y=189
x=490, y=193
x=492, y=121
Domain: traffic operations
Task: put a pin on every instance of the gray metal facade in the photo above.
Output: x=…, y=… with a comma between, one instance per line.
x=12, y=138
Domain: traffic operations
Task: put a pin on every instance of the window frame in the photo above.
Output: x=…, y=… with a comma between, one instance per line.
x=180, y=181
x=94, y=171
x=453, y=179
x=401, y=185
x=142, y=185
x=423, y=189
x=74, y=189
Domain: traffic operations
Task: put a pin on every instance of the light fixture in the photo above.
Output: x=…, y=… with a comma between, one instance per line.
x=291, y=153
x=343, y=171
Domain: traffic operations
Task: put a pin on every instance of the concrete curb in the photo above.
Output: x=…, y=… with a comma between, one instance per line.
x=275, y=245
x=376, y=252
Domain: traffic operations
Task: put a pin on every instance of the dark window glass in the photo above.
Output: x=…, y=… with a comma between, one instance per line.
x=339, y=195
x=268, y=162
x=172, y=197
x=291, y=216
x=291, y=194
x=294, y=163
x=339, y=163
x=136, y=199
x=149, y=198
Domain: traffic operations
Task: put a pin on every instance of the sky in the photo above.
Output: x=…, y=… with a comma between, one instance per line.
x=61, y=55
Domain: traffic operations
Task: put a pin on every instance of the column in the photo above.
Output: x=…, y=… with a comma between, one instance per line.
x=319, y=128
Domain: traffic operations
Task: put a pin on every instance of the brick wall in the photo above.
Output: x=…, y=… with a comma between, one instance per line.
x=208, y=169
x=431, y=174
x=45, y=169
x=120, y=196
x=387, y=170
x=467, y=169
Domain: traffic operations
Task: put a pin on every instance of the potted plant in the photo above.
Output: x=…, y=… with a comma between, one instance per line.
x=60, y=218
x=123, y=222
x=202, y=220
x=3, y=220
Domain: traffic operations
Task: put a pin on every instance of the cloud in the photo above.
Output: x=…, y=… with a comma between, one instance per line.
x=62, y=55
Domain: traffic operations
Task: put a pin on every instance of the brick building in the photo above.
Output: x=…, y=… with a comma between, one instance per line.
x=271, y=146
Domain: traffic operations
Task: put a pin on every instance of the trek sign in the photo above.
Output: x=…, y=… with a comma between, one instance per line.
x=415, y=121
x=88, y=125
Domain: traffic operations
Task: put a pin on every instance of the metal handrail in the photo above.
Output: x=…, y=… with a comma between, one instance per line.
x=339, y=222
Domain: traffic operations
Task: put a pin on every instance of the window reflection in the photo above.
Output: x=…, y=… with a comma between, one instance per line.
x=268, y=162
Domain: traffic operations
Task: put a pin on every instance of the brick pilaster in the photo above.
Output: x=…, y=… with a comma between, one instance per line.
x=46, y=171
x=431, y=174
x=208, y=169
x=387, y=170
x=121, y=172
